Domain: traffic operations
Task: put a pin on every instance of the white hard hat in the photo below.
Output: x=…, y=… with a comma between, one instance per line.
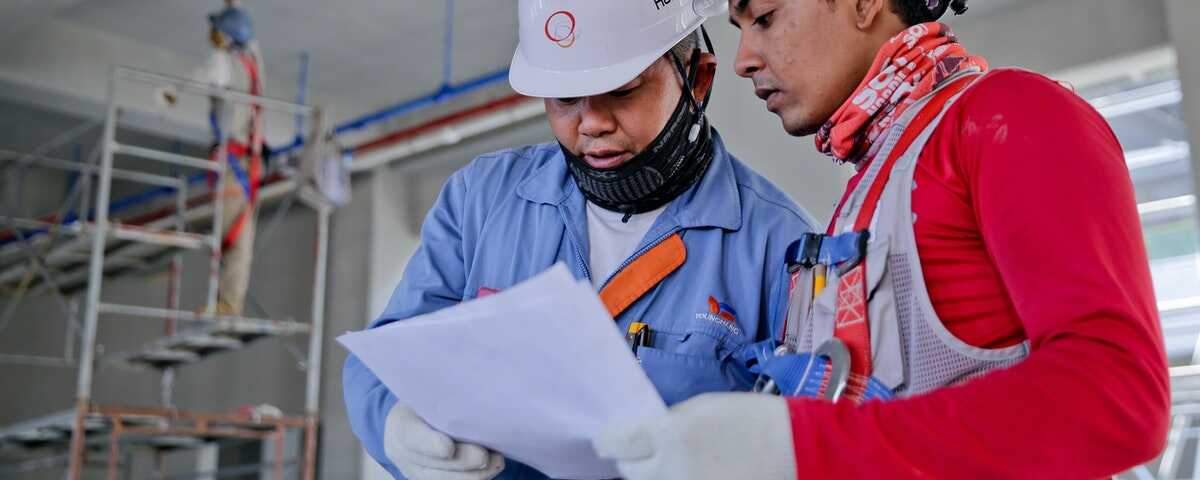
x=578, y=48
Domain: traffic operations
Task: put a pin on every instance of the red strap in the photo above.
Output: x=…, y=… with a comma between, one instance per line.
x=235, y=230
x=256, y=137
x=914, y=130
x=851, y=324
x=852, y=328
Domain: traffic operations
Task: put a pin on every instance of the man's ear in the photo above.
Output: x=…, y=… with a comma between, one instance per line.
x=706, y=71
x=869, y=12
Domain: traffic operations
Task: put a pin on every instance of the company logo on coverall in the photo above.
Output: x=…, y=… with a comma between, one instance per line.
x=720, y=313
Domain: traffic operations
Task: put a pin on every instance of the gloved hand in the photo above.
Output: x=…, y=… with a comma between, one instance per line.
x=713, y=436
x=422, y=453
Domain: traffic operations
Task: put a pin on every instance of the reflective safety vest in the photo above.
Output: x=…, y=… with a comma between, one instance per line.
x=873, y=333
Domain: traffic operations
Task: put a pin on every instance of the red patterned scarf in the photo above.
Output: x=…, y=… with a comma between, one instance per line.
x=907, y=68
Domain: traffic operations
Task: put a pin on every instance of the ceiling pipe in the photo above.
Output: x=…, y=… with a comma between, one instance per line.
x=444, y=131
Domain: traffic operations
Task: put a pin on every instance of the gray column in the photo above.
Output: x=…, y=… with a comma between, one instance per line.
x=1183, y=23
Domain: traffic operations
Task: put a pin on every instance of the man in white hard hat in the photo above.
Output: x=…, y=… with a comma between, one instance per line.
x=989, y=310
x=639, y=195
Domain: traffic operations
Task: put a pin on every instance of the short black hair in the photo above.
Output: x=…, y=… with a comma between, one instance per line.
x=912, y=12
x=684, y=48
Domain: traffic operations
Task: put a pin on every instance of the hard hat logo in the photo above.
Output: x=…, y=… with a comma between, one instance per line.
x=560, y=28
x=579, y=48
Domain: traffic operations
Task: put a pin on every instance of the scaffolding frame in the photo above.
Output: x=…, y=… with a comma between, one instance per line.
x=168, y=234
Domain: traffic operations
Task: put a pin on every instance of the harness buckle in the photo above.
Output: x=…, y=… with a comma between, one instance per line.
x=845, y=251
x=805, y=252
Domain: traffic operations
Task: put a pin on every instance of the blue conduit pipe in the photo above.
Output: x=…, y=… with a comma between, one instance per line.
x=443, y=94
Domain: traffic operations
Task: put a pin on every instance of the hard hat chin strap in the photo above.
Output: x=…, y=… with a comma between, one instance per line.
x=688, y=76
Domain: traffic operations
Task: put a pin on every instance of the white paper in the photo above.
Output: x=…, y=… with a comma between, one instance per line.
x=532, y=372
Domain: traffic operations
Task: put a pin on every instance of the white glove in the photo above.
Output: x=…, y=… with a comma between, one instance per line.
x=422, y=453
x=713, y=436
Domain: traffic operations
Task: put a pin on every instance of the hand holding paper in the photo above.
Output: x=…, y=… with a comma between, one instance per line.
x=532, y=372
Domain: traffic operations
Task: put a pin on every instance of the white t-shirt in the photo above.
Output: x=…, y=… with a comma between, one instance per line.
x=611, y=241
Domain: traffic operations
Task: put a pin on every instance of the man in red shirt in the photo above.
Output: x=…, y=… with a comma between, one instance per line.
x=1021, y=340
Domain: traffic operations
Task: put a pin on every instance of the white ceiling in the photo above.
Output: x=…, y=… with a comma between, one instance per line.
x=370, y=52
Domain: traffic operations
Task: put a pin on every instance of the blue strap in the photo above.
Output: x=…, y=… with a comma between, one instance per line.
x=814, y=248
x=240, y=174
x=847, y=247
x=755, y=355
x=214, y=126
x=877, y=391
x=788, y=372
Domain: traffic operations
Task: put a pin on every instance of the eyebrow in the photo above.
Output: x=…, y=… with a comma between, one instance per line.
x=738, y=8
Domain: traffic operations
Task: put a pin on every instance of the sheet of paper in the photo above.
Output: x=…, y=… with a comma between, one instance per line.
x=532, y=372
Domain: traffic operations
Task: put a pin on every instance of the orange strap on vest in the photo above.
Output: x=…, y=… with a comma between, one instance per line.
x=643, y=274
x=851, y=324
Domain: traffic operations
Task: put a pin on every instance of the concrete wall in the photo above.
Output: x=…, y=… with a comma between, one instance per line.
x=1184, y=26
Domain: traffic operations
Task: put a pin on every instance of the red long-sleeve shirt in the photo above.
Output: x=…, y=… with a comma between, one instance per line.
x=1027, y=229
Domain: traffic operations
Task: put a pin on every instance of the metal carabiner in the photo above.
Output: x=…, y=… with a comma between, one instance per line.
x=839, y=367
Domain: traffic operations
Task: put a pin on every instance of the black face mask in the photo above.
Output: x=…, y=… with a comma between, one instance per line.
x=676, y=159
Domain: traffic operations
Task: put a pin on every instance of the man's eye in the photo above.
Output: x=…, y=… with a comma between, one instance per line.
x=764, y=20
x=621, y=93
x=568, y=100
